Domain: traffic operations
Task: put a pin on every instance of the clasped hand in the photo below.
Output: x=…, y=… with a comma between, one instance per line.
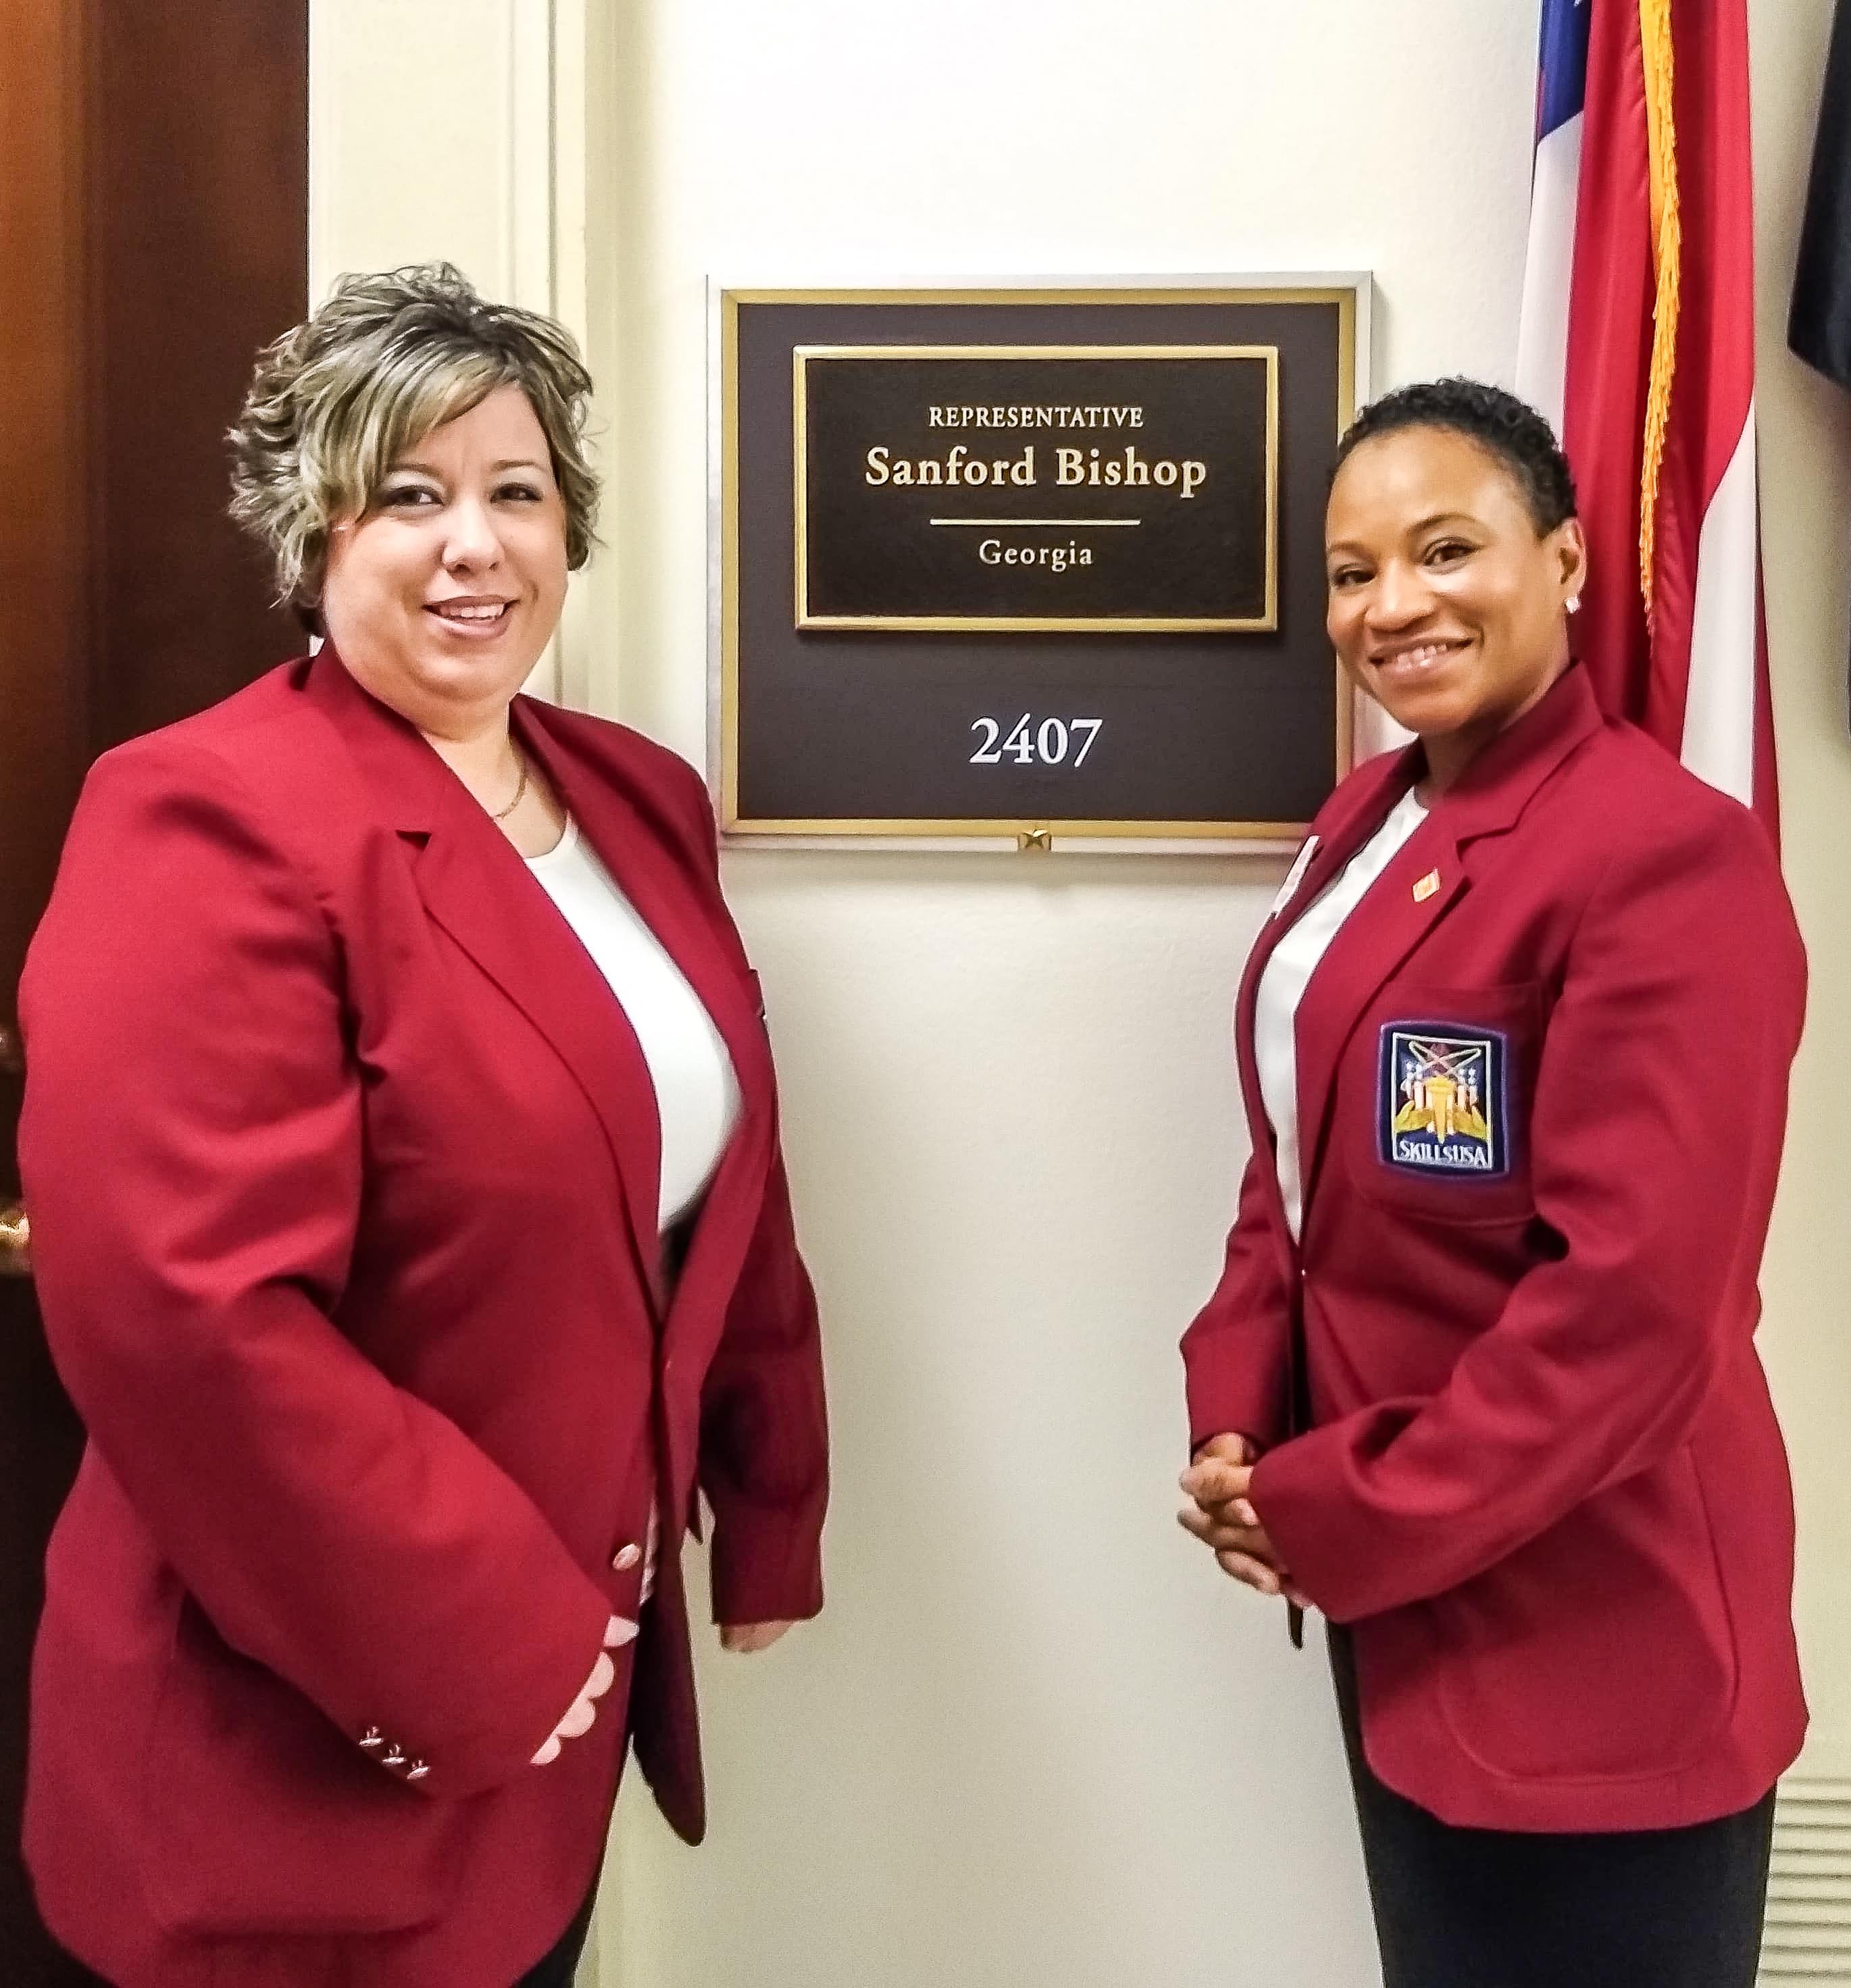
x=1221, y=1514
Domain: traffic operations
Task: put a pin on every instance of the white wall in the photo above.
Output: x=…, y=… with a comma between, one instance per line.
x=1806, y=479
x=467, y=129
x=1032, y=1739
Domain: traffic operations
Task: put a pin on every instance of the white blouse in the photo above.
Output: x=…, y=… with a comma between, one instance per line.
x=697, y=1092
x=1288, y=971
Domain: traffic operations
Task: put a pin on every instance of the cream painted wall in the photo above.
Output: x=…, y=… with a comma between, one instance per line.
x=1806, y=478
x=1031, y=1739
x=465, y=130
x=1034, y=1738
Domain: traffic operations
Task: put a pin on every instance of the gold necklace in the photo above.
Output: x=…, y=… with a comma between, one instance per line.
x=520, y=793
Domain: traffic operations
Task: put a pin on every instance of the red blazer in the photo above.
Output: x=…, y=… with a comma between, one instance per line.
x=342, y=1164
x=1542, y=1085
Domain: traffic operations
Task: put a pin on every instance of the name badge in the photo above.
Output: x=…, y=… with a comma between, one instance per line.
x=1293, y=877
x=1441, y=1106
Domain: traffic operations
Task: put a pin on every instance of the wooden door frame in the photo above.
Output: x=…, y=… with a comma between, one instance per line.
x=154, y=195
x=44, y=111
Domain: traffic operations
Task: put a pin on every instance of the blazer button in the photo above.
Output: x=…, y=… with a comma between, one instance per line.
x=394, y=1759
x=417, y=1771
x=627, y=1557
x=372, y=1739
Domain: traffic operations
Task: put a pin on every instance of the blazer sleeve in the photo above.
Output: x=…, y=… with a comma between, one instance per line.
x=764, y=1443
x=1236, y=1352
x=190, y=1147
x=1656, y=1139
x=764, y=1438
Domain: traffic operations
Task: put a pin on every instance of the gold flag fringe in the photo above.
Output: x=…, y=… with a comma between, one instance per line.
x=1667, y=242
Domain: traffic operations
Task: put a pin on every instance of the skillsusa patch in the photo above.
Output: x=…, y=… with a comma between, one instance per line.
x=1440, y=1106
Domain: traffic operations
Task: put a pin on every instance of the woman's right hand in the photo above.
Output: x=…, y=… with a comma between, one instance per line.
x=583, y=1708
x=1219, y=1514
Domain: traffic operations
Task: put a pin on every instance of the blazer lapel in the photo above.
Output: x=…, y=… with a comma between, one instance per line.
x=1356, y=817
x=474, y=885
x=668, y=879
x=648, y=854
x=644, y=851
x=1403, y=905
x=1420, y=886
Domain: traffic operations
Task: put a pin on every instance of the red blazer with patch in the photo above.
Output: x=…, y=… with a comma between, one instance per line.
x=342, y=1164
x=1542, y=1089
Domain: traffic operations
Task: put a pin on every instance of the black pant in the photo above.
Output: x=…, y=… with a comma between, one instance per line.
x=1504, y=1908
x=559, y=1966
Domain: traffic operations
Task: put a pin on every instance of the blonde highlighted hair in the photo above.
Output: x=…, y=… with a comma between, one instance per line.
x=386, y=359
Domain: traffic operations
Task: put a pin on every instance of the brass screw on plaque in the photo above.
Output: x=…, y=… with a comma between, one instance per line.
x=1035, y=839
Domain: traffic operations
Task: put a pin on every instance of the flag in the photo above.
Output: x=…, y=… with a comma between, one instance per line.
x=1637, y=340
x=1819, y=329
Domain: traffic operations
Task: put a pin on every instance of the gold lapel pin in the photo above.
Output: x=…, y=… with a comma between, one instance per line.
x=1426, y=887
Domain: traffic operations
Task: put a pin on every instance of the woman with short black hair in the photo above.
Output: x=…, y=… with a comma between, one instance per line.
x=1478, y=1381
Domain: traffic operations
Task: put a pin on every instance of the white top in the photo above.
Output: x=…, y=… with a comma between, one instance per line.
x=1288, y=972
x=697, y=1092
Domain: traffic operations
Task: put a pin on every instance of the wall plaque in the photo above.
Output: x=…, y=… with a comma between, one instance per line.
x=1031, y=565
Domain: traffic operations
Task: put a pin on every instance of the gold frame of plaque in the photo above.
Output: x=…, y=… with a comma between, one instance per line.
x=1033, y=623
x=797, y=754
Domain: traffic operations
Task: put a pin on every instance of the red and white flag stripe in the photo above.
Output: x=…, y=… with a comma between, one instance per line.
x=1693, y=673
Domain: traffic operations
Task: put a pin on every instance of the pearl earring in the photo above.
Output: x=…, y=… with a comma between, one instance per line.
x=1574, y=603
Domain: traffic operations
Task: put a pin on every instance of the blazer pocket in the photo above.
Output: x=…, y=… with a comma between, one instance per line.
x=1450, y=1074
x=1603, y=1649
x=262, y=1817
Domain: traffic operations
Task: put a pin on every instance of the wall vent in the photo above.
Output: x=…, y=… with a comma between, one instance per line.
x=1808, y=1937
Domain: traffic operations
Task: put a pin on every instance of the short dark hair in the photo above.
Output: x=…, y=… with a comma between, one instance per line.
x=1505, y=427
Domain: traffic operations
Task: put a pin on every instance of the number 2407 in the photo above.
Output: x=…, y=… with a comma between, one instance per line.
x=1051, y=742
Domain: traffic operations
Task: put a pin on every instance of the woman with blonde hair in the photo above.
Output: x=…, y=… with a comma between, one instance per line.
x=410, y=1224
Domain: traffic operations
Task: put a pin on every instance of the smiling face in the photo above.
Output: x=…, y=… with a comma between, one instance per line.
x=1446, y=604
x=441, y=596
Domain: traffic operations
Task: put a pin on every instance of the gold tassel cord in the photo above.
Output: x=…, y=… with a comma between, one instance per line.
x=1667, y=242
